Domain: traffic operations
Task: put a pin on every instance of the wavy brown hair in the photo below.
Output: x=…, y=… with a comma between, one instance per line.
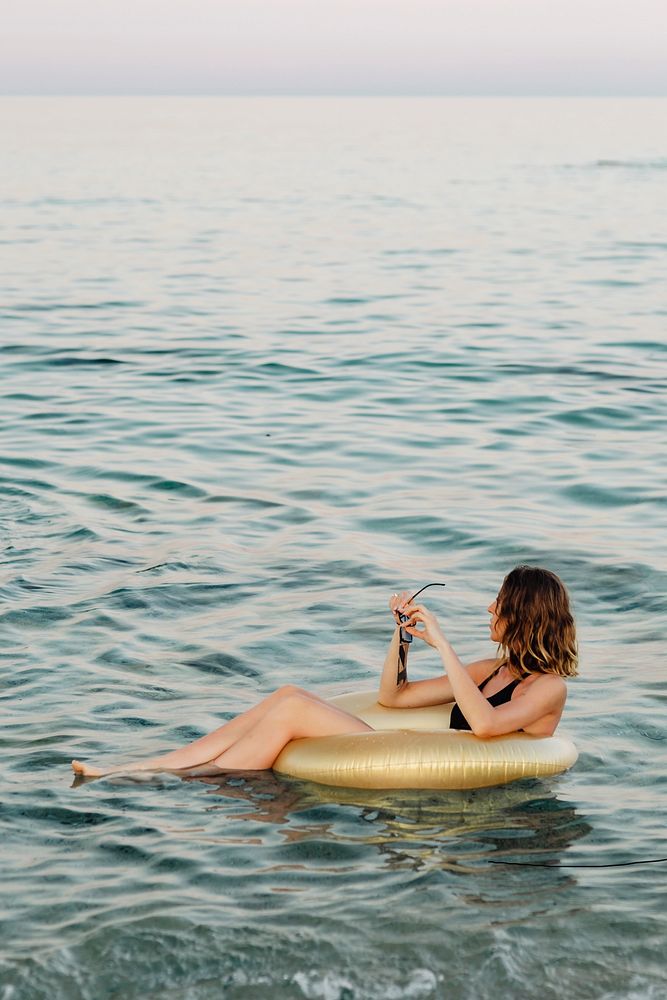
x=539, y=634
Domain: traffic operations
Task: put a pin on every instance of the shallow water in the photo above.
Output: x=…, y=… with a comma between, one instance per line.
x=263, y=362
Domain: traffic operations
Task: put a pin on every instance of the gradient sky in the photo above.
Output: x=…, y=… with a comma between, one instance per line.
x=334, y=47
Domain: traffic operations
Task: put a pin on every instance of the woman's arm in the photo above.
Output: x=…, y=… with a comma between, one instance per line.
x=395, y=670
x=439, y=690
x=418, y=694
x=543, y=697
x=394, y=677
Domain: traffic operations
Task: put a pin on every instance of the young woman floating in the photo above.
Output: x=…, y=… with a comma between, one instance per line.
x=522, y=688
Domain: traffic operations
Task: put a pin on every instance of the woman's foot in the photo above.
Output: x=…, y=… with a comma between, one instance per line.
x=90, y=771
x=87, y=770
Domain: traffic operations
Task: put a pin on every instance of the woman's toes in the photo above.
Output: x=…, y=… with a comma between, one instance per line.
x=85, y=769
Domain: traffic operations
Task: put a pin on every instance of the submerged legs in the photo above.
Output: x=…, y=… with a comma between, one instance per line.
x=253, y=739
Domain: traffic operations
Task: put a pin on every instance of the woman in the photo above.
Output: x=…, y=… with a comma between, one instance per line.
x=522, y=688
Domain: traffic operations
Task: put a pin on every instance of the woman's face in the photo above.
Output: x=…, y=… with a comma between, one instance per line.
x=496, y=627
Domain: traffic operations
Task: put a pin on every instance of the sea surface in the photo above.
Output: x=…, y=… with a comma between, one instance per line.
x=263, y=362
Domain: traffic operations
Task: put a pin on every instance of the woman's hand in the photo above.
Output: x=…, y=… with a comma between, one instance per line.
x=396, y=602
x=431, y=632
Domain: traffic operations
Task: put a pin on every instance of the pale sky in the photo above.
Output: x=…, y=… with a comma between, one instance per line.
x=590, y=47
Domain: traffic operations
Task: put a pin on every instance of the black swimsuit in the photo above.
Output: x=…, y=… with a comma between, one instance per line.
x=458, y=720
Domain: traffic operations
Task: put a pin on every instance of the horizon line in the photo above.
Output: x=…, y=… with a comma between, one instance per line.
x=347, y=94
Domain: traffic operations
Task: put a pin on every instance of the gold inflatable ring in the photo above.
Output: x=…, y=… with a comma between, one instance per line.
x=414, y=748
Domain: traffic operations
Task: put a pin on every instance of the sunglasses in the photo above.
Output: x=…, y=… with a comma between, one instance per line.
x=406, y=638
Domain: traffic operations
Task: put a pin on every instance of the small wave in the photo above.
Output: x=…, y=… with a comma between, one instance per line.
x=253, y=503
x=421, y=251
x=420, y=983
x=479, y=326
x=643, y=244
x=109, y=502
x=222, y=665
x=78, y=202
x=27, y=462
x=81, y=534
x=53, y=815
x=31, y=307
x=78, y=360
x=600, y=416
x=352, y=300
x=176, y=486
x=653, y=346
x=36, y=617
x=611, y=282
x=660, y=163
x=40, y=360
x=596, y=496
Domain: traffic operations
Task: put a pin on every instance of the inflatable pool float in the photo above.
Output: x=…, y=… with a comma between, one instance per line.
x=414, y=748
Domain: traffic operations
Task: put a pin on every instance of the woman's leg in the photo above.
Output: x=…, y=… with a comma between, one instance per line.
x=293, y=717
x=206, y=748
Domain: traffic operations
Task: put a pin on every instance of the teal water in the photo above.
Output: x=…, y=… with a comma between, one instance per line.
x=263, y=362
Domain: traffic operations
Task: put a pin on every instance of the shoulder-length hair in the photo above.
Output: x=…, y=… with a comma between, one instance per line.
x=539, y=635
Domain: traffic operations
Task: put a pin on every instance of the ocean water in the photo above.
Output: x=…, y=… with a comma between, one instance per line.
x=263, y=362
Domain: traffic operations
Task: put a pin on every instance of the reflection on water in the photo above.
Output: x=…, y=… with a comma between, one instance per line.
x=421, y=829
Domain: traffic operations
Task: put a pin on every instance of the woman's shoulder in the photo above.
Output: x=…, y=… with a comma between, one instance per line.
x=481, y=670
x=552, y=686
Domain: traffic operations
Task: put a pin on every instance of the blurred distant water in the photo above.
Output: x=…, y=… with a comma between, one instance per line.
x=262, y=362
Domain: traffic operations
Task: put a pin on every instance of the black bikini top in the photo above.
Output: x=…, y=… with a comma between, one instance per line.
x=458, y=720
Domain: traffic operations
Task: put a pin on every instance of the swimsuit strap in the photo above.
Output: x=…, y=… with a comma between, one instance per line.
x=489, y=678
x=458, y=720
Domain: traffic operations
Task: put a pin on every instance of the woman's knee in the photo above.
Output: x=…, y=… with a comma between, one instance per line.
x=289, y=691
x=292, y=704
